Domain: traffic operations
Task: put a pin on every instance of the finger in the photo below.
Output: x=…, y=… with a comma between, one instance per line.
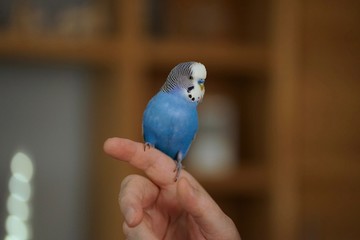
x=214, y=223
x=136, y=194
x=140, y=231
x=156, y=165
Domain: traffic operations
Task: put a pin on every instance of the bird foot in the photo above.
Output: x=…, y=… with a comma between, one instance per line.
x=177, y=170
x=178, y=166
x=148, y=145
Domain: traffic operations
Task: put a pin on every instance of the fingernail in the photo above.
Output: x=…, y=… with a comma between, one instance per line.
x=129, y=215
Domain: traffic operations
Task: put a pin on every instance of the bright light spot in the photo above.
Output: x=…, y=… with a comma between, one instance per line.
x=19, y=189
x=22, y=167
x=18, y=203
x=8, y=237
x=16, y=227
x=17, y=207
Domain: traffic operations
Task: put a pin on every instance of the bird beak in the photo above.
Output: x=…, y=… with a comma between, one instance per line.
x=201, y=83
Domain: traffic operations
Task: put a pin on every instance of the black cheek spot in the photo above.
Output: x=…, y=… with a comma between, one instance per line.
x=190, y=88
x=190, y=96
x=193, y=99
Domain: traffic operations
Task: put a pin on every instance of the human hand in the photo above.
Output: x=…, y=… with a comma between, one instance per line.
x=159, y=208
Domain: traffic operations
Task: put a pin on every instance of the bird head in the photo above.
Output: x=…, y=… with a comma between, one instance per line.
x=188, y=79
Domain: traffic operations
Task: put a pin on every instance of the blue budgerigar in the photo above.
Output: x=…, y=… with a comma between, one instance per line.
x=170, y=120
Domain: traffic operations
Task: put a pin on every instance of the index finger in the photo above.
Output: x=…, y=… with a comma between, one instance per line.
x=156, y=165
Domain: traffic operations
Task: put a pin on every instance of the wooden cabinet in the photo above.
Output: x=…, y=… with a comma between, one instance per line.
x=130, y=61
x=252, y=51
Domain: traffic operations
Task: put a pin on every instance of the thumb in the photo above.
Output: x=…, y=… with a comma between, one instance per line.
x=212, y=221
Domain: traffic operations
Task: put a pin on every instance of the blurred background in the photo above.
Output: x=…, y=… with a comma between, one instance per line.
x=279, y=140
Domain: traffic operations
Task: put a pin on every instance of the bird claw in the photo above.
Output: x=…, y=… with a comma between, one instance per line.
x=148, y=145
x=177, y=170
x=178, y=166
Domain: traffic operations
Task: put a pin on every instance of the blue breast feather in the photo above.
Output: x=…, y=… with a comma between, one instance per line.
x=170, y=123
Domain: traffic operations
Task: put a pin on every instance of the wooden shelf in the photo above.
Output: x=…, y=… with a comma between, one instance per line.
x=243, y=181
x=100, y=51
x=52, y=48
x=227, y=56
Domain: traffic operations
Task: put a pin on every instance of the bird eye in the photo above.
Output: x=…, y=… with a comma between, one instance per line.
x=191, y=78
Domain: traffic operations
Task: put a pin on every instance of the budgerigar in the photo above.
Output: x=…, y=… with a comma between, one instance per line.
x=170, y=120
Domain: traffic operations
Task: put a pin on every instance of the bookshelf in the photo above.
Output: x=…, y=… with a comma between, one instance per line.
x=134, y=58
x=50, y=48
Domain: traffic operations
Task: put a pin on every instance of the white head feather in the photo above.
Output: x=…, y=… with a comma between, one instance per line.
x=189, y=77
x=198, y=70
x=196, y=93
